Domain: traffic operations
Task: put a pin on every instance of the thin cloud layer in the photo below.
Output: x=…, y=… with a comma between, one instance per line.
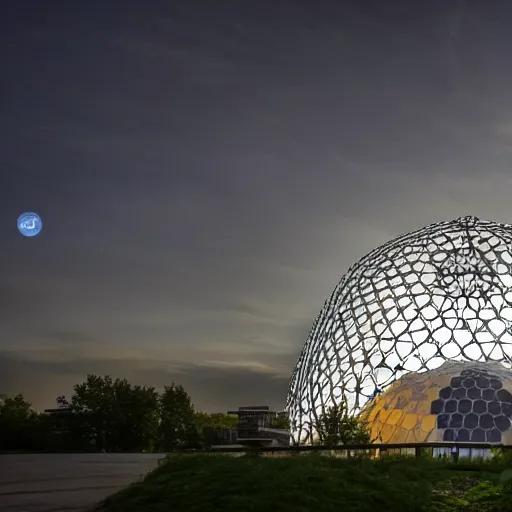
x=214, y=387
x=206, y=174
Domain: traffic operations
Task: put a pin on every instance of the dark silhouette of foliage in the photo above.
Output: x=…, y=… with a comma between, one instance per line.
x=282, y=421
x=211, y=427
x=119, y=416
x=18, y=424
x=106, y=414
x=335, y=427
x=177, y=420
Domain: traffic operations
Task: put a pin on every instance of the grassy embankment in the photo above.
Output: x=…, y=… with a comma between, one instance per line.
x=210, y=483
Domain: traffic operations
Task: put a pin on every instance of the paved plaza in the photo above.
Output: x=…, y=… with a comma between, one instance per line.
x=67, y=482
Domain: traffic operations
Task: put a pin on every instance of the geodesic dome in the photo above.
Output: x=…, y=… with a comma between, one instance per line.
x=441, y=293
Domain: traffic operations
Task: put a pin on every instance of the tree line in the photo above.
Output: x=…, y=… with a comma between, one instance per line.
x=110, y=415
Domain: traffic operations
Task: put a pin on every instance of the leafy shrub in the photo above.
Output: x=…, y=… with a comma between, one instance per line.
x=464, y=494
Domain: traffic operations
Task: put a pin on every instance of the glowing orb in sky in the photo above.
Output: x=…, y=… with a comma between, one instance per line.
x=29, y=224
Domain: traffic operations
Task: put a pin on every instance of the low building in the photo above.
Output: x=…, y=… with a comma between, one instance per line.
x=220, y=436
x=255, y=427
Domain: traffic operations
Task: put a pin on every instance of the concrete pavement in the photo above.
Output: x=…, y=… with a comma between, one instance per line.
x=67, y=482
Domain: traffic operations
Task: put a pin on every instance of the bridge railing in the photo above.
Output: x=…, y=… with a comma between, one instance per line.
x=451, y=450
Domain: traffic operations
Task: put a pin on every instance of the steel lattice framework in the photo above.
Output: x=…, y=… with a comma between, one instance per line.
x=441, y=293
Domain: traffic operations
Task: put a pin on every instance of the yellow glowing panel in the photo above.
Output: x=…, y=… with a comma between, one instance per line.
x=432, y=394
x=395, y=417
x=428, y=423
x=410, y=438
x=400, y=436
x=411, y=406
x=410, y=421
x=424, y=407
x=373, y=413
x=421, y=436
x=387, y=432
x=384, y=415
x=392, y=401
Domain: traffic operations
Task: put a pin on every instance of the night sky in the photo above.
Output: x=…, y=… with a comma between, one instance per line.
x=206, y=171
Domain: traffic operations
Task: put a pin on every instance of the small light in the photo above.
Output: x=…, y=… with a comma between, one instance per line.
x=29, y=224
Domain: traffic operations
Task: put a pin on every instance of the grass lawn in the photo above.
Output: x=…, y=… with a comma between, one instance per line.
x=204, y=483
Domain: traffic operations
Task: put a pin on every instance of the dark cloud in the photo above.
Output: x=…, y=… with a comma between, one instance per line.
x=206, y=172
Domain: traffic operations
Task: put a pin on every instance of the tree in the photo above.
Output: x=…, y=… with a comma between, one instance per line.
x=281, y=421
x=62, y=403
x=119, y=416
x=18, y=424
x=68, y=432
x=178, y=427
x=210, y=426
x=113, y=415
x=214, y=420
x=335, y=427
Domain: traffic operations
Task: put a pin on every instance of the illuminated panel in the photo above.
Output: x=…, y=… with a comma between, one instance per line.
x=441, y=293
